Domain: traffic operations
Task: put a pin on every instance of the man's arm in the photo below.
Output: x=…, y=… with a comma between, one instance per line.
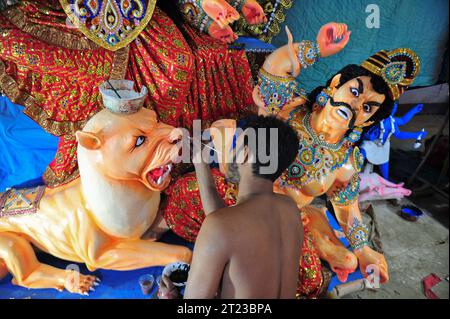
x=211, y=200
x=208, y=262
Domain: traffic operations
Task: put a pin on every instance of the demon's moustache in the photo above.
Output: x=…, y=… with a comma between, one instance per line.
x=333, y=103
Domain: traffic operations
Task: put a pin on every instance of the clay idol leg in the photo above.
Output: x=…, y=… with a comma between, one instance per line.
x=341, y=260
x=21, y=261
x=3, y=270
x=129, y=255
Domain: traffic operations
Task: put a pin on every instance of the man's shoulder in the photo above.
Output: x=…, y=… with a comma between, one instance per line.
x=281, y=203
x=286, y=201
x=215, y=228
x=219, y=218
x=229, y=219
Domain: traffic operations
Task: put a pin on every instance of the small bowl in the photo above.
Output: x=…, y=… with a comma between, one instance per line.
x=146, y=282
x=177, y=266
x=410, y=213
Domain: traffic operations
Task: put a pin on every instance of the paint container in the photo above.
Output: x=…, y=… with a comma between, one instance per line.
x=177, y=273
x=146, y=283
x=410, y=213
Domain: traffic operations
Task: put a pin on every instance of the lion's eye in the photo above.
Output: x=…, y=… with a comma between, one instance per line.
x=354, y=91
x=139, y=141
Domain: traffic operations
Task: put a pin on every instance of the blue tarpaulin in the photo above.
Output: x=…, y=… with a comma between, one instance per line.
x=114, y=284
x=25, y=148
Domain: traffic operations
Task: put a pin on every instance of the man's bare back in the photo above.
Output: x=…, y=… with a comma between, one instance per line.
x=250, y=250
x=259, y=242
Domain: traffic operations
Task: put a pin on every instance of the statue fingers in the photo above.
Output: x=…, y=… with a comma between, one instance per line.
x=419, y=108
x=222, y=22
x=289, y=35
x=384, y=272
x=342, y=43
x=264, y=19
x=343, y=29
x=259, y=18
x=232, y=15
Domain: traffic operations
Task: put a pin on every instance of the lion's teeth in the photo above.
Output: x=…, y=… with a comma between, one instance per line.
x=159, y=180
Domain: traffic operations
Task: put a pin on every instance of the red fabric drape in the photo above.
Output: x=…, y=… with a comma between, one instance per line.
x=189, y=75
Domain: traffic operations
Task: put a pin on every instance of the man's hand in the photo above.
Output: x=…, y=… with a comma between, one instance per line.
x=166, y=289
x=332, y=38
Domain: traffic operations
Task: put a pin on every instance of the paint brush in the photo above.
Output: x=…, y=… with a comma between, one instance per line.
x=205, y=145
x=115, y=91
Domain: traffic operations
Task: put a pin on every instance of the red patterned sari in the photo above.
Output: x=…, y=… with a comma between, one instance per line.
x=54, y=71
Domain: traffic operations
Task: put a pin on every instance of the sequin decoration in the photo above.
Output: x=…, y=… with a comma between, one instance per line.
x=238, y=4
x=194, y=14
x=398, y=68
x=354, y=135
x=358, y=159
x=315, y=158
x=358, y=235
x=322, y=99
x=277, y=91
x=275, y=11
x=20, y=201
x=348, y=194
x=111, y=24
x=394, y=72
x=308, y=53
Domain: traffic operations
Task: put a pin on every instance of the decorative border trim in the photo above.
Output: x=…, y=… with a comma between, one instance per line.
x=10, y=87
x=269, y=30
x=272, y=28
x=52, y=181
x=47, y=34
x=82, y=28
x=120, y=64
x=21, y=211
x=36, y=113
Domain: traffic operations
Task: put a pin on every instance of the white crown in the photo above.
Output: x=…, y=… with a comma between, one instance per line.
x=121, y=97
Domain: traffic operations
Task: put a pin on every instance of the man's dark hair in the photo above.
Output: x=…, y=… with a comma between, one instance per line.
x=353, y=71
x=287, y=143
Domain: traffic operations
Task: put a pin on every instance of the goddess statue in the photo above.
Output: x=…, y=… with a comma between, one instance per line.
x=215, y=16
x=55, y=54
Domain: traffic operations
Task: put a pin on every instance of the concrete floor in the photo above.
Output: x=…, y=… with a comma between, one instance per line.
x=413, y=251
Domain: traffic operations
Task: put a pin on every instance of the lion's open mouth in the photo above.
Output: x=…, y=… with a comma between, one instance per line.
x=158, y=175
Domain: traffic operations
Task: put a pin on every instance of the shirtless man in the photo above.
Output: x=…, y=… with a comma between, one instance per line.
x=249, y=250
